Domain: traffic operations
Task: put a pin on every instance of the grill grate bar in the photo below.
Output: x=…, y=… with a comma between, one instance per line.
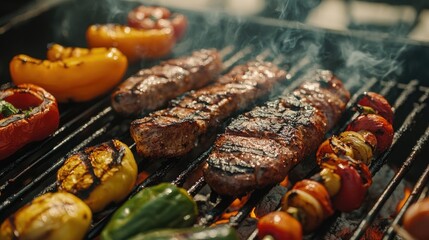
x=16, y=197
x=391, y=186
x=226, y=51
x=356, y=97
x=409, y=121
x=342, y=125
x=163, y=170
x=184, y=174
x=237, y=56
x=417, y=190
x=199, y=184
x=388, y=86
x=214, y=213
x=56, y=164
x=248, y=206
x=53, y=138
x=349, y=116
x=152, y=179
x=409, y=89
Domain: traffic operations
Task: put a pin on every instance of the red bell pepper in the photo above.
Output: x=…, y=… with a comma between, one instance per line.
x=27, y=113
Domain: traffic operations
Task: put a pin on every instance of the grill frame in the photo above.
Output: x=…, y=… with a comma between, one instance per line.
x=74, y=129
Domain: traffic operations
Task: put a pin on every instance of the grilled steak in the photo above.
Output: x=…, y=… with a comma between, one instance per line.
x=175, y=131
x=152, y=88
x=259, y=147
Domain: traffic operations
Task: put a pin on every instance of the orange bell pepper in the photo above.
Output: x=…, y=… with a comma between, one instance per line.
x=134, y=43
x=75, y=74
x=27, y=113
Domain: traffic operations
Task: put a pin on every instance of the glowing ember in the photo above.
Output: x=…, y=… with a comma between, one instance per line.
x=407, y=192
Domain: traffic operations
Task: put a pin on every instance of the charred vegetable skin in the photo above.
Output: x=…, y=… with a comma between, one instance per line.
x=221, y=232
x=49, y=217
x=71, y=74
x=99, y=175
x=27, y=113
x=161, y=206
x=344, y=178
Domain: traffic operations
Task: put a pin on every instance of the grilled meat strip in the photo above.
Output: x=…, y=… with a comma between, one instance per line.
x=259, y=147
x=152, y=88
x=175, y=131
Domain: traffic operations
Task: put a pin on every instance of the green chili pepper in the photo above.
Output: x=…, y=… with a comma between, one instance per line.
x=221, y=232
x=161, y=206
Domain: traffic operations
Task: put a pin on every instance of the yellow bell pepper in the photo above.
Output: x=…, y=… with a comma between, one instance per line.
x=49, y=217
x=99, y=175
x=72, y=74
x=134, y=43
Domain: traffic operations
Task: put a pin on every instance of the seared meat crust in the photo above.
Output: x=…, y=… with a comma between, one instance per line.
x=152, y=88
x=259, y=147
x=175, y=131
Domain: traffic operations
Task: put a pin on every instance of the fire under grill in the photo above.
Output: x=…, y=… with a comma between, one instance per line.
x=32, y=171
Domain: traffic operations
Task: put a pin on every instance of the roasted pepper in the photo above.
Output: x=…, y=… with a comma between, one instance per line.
x=149, y=17
x=134, y=43
x=221, y=232
x=49, y=217
x=161, y=206
x=74, y=74
x=27, y=113
x=99, y=175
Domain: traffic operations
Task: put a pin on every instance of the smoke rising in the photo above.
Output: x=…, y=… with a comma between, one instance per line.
x=351, y=55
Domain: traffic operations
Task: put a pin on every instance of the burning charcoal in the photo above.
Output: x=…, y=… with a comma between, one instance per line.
x=246, y=227
x=271, y=201
x=346, y=223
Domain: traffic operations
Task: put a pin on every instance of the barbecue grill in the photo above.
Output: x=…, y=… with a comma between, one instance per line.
x=401, y=75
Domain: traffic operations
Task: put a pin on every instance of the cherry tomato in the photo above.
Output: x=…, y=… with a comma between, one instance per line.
x=354, y=185
x=319, y=192
x=279, y=225
x=379, y=104
x=416, y=219
x=378, y=126
x=146, y=17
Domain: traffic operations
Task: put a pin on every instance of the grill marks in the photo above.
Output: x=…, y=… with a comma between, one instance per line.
x=85, y=170
x=259, y=147
x=152, y=88
x=175, y=131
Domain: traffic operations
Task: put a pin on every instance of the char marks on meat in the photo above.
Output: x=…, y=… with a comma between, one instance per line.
x=152, y=88
x=259, y=147
x=175, y=131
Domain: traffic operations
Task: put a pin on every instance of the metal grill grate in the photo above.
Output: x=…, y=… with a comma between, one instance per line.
x=33, y=170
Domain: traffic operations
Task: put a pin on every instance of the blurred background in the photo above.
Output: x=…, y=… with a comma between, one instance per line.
x=398, y=18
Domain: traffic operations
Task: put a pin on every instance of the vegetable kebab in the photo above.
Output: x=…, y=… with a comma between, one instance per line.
x=344, y=177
